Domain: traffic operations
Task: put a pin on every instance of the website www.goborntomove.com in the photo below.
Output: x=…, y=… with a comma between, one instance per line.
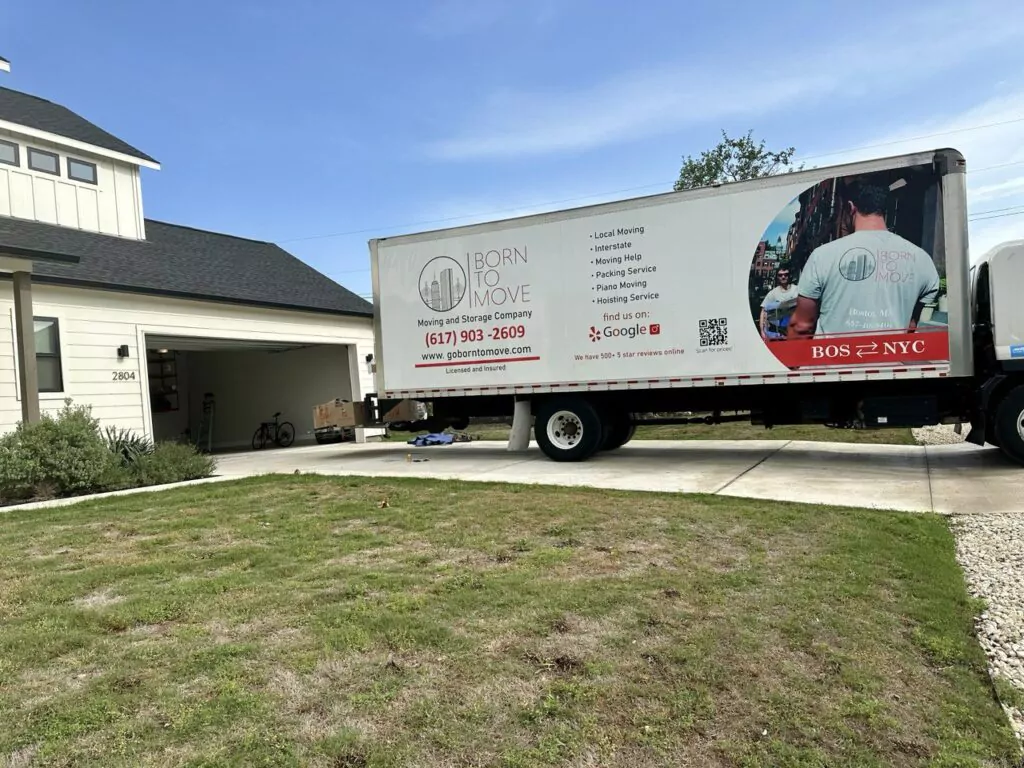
x=477, y=356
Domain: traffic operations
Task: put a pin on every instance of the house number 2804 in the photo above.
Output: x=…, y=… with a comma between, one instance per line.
x=123, y=375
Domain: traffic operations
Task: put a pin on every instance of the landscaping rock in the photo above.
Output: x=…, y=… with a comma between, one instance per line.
x=990, y=549
x=943, y=434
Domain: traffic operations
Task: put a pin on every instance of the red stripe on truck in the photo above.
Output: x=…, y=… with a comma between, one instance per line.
x=479, y=362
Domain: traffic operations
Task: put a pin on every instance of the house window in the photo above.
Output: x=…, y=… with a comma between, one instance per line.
x=8, y=153
x=79, y=170
x=47, y=162
x=48, y=363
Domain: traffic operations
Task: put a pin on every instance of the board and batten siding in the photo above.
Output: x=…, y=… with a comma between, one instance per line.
x=112, y=206
x=93, y=324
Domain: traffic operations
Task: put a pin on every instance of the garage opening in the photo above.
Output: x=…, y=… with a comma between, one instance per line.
x=216, y=392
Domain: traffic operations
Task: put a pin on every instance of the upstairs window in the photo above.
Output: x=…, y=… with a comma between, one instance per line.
x=48, y=364
x=45, y=162
x=8, y=153
x=79, y=170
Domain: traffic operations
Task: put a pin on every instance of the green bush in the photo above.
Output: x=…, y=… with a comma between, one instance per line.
x=67, y=455
x=59, y=455
x=126, y=445
x=172, y=463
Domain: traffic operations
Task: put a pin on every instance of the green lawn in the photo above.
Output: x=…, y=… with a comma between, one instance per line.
x=730, y=431
x=349, y=623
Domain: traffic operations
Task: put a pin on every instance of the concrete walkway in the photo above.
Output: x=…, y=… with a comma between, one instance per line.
x=946, y=479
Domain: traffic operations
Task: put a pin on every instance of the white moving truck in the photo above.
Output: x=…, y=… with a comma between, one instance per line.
x=842, y=296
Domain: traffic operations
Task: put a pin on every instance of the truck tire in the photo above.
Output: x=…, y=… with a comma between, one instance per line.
x=1009, y=424
x=568, y=429
x=618, y=430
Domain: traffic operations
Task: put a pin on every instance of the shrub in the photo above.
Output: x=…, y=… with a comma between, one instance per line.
x=57, y=456
x=172, y=463
x=126, y=445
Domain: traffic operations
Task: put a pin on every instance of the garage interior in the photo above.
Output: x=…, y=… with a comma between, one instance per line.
x=249, y=382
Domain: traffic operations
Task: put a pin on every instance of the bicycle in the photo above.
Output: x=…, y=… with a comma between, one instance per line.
x=281, y=434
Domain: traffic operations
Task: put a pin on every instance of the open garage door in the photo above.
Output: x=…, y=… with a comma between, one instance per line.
x=247, y=383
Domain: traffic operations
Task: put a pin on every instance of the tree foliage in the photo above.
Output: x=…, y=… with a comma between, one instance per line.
x=734, y=159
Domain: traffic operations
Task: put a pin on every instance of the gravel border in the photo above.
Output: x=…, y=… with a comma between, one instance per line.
x=990, y=549
x=942, y=434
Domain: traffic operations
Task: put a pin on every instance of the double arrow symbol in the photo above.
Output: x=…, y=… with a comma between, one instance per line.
x=867, y=349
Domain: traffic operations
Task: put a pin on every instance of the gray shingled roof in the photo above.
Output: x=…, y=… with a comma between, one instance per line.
x=33, y=112
x=183, y=262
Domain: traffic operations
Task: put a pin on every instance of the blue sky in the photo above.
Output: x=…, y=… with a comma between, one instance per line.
x=288, y=122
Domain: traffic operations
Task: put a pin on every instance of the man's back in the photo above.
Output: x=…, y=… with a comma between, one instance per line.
x=869, y=280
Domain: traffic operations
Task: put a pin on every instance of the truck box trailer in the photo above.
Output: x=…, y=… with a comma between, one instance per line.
x=842, y=296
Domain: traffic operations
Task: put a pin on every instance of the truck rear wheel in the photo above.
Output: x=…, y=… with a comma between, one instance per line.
x=1009, y=426
x=618, y=430
x=568, y=429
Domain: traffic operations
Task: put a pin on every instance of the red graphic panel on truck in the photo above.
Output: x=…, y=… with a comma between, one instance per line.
x=875, y=349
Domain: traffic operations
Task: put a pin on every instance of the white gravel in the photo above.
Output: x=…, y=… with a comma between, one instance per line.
x=943, y=434
x=990, y=548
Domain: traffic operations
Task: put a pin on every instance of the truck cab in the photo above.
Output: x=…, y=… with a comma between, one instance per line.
x=997, y=281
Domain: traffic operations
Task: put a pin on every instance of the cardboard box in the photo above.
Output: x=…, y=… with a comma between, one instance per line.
x=339, y=413
x=405, y=411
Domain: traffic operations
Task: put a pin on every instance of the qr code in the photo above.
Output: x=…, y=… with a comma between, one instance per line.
x=714, y=332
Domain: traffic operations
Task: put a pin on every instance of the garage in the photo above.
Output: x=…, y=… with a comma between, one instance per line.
x=216, y=392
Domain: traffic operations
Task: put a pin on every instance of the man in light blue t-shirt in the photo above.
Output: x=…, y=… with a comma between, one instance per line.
x=870, y=280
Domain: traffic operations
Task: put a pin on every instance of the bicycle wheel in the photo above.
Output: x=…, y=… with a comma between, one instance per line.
x=285, y=434
x=259, y=440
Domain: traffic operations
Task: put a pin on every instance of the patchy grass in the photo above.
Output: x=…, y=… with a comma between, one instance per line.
x=730, y=431
x=1009, y=694
x=294, y=621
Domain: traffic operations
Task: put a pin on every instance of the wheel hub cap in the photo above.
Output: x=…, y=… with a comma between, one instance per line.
x=565, y=430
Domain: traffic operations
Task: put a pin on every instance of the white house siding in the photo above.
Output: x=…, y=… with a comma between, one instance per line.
x=93, y=324
x=112, y=206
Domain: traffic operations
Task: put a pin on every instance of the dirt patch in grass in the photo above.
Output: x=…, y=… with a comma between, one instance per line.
x=99, y=599
x=292, y=621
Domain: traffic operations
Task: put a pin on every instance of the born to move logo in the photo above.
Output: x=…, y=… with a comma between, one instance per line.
x=624, y=332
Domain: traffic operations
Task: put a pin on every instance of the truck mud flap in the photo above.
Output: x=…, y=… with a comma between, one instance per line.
x=979, y=419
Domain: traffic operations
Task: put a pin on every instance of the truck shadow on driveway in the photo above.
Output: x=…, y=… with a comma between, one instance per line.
x=672, y=453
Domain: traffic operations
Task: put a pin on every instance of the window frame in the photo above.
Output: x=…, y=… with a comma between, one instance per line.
x=17, y=153
x=95, y=171
x=54, y=155
x=58, y=355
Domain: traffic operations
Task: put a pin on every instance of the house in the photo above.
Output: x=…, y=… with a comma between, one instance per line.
x=145, y=320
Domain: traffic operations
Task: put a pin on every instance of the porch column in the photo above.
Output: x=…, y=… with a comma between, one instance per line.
x=355, y=387
x=25, y=330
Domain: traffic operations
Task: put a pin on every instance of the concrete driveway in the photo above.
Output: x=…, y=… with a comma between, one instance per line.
x=946, y=479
